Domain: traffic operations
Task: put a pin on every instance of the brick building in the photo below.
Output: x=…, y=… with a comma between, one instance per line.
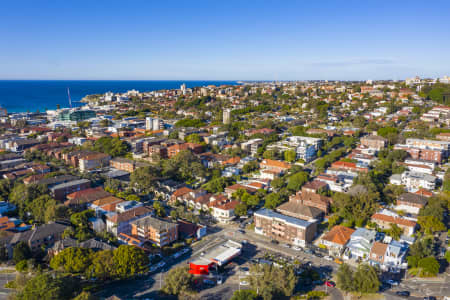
x=158, y=231
x=284, y=228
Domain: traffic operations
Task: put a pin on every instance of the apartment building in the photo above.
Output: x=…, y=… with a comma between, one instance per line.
x=305, y=147
x=158, y=231
x=284, y=228
x=374, y=142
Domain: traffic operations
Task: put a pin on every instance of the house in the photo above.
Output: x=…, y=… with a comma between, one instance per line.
x=60, y=191
x=374, y=142
x=385, y=221
x=127, y=205
x=336, y=239
x=179, y=194
x=360, y=243
x=410, y=203
x=121, y=222
x=349, y=166
x=223, y=208
x=190, y=230
x=308, y=198
x=315, y=187
x=377, y=253
x=300, y=211
x=284, y=228
x=104, y=205
x=175, y=149
x=415, y=181
x=42, y=236
x=230, y=190
x=395, y=256
x=93, y=244
x=159, y=231
x=83, y=197
x=274, y=165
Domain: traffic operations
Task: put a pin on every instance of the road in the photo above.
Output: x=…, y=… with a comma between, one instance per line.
x=148, y=286
x=4, y=278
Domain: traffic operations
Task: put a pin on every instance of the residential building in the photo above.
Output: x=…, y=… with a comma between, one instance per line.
x=93, y=161
x=410, y=203
x=223, y=208
x=159, y=231
x=360, y=244
x=385, y=219
x=41, y=236
x=284, y=228
x=374, y=142
x=305, y=147
x=122, y=222
x=308, y=198
x=85, y=196
x=60, y=191
x=414, y=181
x=336, y=239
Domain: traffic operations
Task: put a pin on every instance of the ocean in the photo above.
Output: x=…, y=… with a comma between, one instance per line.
x=33, y=95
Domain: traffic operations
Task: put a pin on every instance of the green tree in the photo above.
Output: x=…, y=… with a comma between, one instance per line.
x=272, y=282
x=290, y=155
x=178, y=281
x=429, y=266
x=366, y=279
x=430, y=224
x=345, y=278
x=278, y=183
x=272, y=200
x=193, y=138
x=112, y=146
x=394, y=231
x=447, y=256
x=240, y=209
x=21, y=252
x=144, y=179
x=250, y=167
x=85, y=296
x=22, y=266
x=102, y=265
x=159, y=209
x=44, y=286
x=244, y=295
x=296, y=181
x=130, y=261
x=72, y=260
x=43, y=209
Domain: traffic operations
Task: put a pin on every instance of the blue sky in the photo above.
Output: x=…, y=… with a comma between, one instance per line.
x=229, y=40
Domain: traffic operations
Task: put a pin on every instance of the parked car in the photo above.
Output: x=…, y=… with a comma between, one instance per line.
x=429, y=298
x=330, y=283
x=241, y=231
x=274, y=242
x=392, y=282
x=338, y=261
x=309, y=251
x=402, y=293
x=243, y=282
x=328, y=258
x=286, y=245
x=209, y=282
x=297, y=248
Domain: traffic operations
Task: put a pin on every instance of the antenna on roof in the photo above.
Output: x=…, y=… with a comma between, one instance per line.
x=70, y=100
